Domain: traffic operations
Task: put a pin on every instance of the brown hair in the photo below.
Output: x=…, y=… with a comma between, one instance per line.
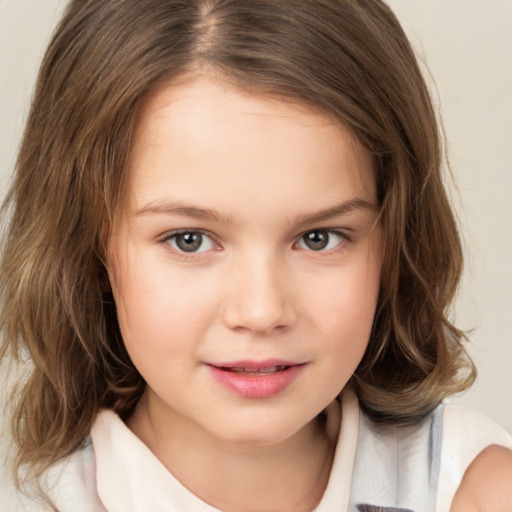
x=349, y=58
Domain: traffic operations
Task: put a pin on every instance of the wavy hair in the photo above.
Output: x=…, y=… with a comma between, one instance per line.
x=348, y=58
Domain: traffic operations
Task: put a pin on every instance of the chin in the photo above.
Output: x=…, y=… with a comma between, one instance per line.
x=260, y=432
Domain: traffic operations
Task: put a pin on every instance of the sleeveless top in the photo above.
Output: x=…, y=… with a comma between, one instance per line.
x=375, y=468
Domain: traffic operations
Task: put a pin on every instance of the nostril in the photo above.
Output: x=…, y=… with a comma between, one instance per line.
x=259, y=330
x=257, y=301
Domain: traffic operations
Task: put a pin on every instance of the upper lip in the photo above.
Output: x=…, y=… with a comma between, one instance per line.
x=254, y=365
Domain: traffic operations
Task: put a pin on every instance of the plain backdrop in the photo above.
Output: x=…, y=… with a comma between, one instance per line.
x=467, y=45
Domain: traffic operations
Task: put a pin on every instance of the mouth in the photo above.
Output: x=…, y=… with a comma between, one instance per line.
x=253, y=379
x=255, y=371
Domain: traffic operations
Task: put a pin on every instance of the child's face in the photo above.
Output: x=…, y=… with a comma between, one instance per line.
x=247, y=265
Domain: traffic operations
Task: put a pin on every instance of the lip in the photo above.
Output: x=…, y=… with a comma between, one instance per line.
x=256, y=379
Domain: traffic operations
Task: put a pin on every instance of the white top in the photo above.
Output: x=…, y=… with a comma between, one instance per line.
x=116, y=472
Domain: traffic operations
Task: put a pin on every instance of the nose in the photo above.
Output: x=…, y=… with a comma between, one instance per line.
x=259, y=299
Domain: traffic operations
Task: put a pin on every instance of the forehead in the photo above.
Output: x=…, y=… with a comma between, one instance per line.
x=204, y=136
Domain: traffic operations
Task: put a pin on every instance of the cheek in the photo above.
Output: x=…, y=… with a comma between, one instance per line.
x=346, y=309
x=349, y=293
x=156, y=306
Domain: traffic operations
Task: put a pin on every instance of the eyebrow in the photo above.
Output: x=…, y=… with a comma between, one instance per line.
x=338, y=210
x=191, y=211
x=184, y=210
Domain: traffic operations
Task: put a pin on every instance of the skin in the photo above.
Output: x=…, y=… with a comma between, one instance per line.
x=487, y=483
x=255, y=175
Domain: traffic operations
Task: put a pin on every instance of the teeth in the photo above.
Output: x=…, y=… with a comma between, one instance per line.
x=259, y=371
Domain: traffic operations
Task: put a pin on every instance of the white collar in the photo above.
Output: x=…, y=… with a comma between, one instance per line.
x=130, y=477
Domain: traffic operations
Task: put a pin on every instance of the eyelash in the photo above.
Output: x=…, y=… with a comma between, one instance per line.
x=172, y=236
x=344, y=239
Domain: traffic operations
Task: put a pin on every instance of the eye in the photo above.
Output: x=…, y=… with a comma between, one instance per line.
x=190, y=241
x=320, y=240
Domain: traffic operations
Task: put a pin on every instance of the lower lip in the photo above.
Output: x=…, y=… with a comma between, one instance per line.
x=256, y=386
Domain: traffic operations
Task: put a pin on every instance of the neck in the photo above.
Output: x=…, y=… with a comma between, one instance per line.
x=289, y=476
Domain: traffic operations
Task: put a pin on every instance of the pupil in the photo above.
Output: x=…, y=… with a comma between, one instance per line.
x=317, y=240
x=189, y=242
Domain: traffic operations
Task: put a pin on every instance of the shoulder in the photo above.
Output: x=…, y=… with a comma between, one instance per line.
x=470, y=442
x=487, y=483
x=71, y=482
x=68, y=484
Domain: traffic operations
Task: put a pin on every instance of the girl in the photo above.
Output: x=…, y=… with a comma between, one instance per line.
x=229, y=261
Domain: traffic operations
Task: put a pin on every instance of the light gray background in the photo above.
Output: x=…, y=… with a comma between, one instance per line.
x=468, y=47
